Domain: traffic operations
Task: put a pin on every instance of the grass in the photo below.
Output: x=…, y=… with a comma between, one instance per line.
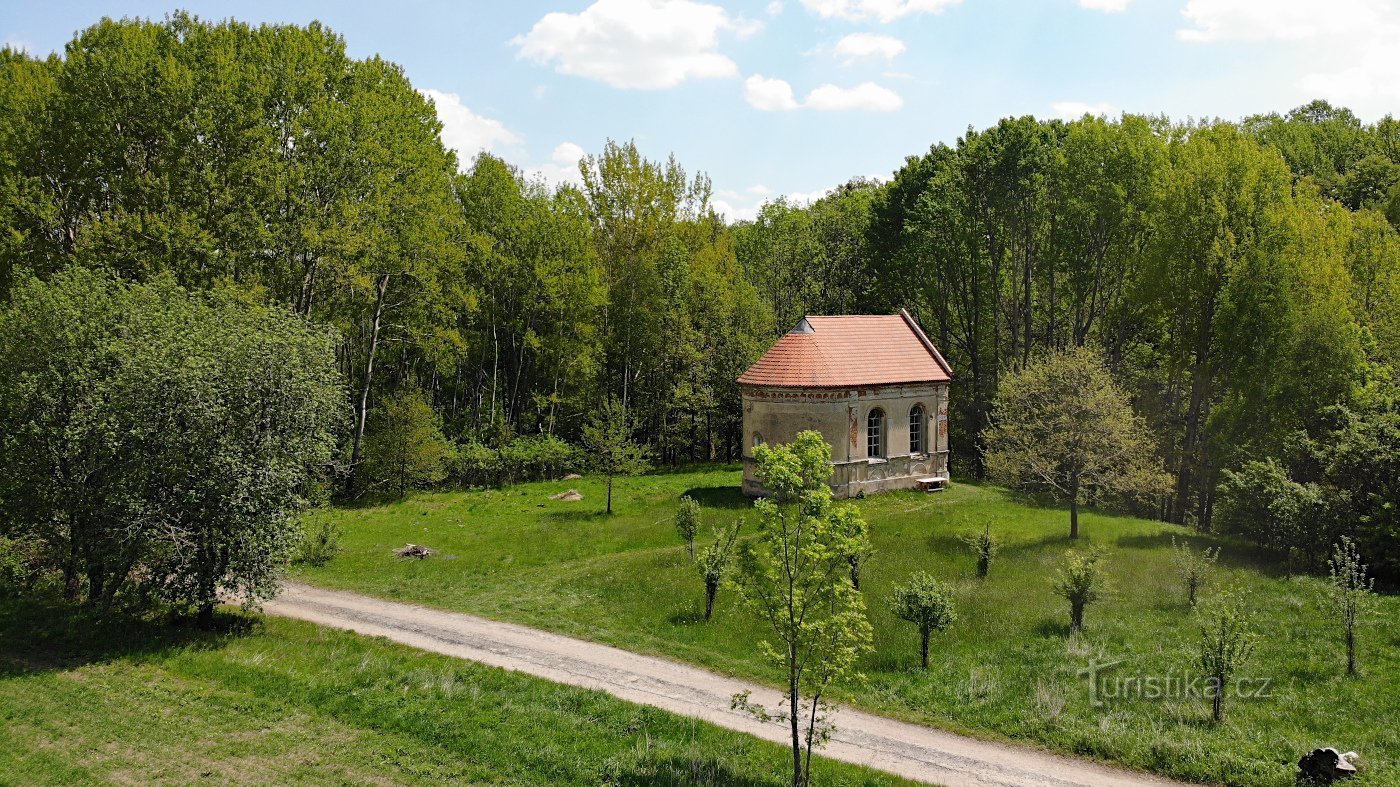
x=275, y=701
x=1007, y=670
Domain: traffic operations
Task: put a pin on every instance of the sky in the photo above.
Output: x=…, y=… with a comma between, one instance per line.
x=794, y=97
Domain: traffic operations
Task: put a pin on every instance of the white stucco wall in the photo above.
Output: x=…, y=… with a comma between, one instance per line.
x=778, y=414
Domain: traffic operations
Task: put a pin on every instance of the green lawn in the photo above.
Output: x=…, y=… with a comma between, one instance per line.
x=279, y=702
x=1007, y=670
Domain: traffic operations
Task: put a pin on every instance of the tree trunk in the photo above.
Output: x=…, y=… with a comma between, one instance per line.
x=610, y=478
x=1076, y=616
x=381, y=287
x=205, y=617
x=1351, y=649
x=923, y=648
x=711, y=589
x=792, y=717
x=1217, y=702
x=1074, y=515
x=690, y=549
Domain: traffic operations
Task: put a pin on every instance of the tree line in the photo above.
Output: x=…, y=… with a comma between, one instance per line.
x=1242, y=280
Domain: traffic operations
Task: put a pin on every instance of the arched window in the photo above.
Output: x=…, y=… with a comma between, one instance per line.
x=875, y=434
x=916, y=429
x=757, y=439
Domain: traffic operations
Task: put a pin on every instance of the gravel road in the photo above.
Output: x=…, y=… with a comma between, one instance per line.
x=908, y=750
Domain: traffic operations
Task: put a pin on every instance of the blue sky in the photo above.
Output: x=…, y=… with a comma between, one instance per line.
x=796, y=96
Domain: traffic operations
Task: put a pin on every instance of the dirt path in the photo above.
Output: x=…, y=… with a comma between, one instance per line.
x=909, y=750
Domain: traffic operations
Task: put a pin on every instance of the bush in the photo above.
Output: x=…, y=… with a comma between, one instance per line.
x=928, y=604
x=538, y=457
x=21, y=565
x=1080, y=583
x=320, y=541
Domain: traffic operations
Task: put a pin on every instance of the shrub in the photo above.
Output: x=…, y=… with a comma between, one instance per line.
x=537, y=458
x=528, y=458
x=1226, y=643
x=927, y=603
x=715, y=563
x=320, y=541
x=1351, y=592
x=1193, y=567
x=406, y=448
x=21, y=565
x=985, y=546
x=687, y=523
x=1080, y=583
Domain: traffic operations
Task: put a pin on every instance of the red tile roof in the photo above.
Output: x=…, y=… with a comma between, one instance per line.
x=849, y=350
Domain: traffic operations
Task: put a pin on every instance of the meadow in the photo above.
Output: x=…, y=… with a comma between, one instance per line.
x=123, y=700
x=1009, y=669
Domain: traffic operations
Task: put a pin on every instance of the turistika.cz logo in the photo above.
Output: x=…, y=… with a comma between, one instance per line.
x=1106, y=686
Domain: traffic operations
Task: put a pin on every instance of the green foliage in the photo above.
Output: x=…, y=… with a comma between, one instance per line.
x=1361, y=457
x=1061, y=425
x=985, y=546
x=320, y=540
x=1192, y=567
x=1351, y=593
x=22, y=563
x=406, y=448
x=688, y=523
x=161, y=438
x=608, y=440
x=1080, y=581
x=1261, y=503
x=1227, y=642
x=794, y=577
x=716, y=563
x=526, y=458
x=928, y=604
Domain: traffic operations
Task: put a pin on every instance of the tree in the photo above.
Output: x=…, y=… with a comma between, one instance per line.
x=928, y=604
x=608, y=439
x=794, y=577
x=688, y=523
x=1351, y=592
x=1193, y=567
x=1260, y=502
x=716, y=561
x=1226, y=644
x=985, y=546
x=159, y=438
x=406, y=448
x=1080, y=583
x=1063, y=426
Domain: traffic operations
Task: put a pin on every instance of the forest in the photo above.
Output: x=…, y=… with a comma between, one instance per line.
x=1241, y=278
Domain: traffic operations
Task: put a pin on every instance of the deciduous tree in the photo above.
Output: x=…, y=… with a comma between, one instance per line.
x=1063, y=426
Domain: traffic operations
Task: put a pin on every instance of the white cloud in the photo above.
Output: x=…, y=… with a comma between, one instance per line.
x=1074, y=110
x=775, y=95
x=883, y=10
x=562, y=166
x=1285, y=20
x=775, y=7
x=18, y=45
x=769, y=95
x=636, y=44
x=1345, y=49
x=867, y=96
x=1107, y=6
x=734, y=213
x=465, y=131
x=758, y=189
x=859, y=45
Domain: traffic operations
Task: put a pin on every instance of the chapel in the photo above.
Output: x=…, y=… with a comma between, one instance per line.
x=873, y=385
